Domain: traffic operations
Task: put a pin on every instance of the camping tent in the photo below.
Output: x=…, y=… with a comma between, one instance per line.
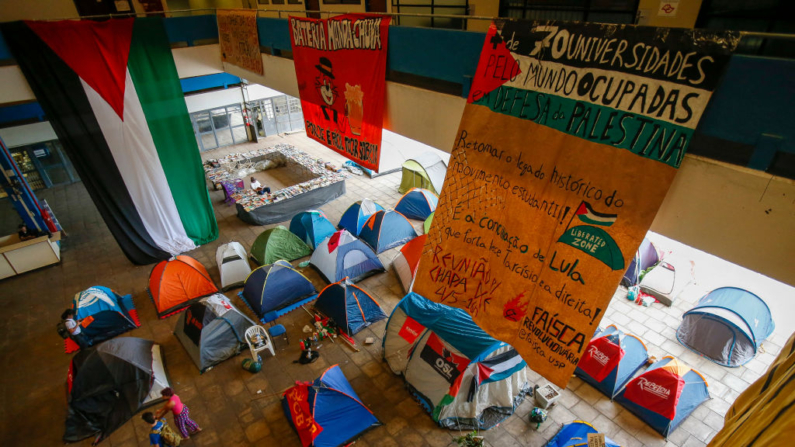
x=275, y=287
x=278, y=243
x=312, y=227
x=232, y=264
x=350, y=307
x=106, y=385
x=665, y=394
x=387, y=229
x=212, y=330
x=417, y=204
x=426, y=171
x=462, y=376
x=726, y=326
x=575, y=434
x=407, y=261
x=645, y=257
x=342, y=255
x=104, y=314
x=356, y=215
x=427, y=225
x=611, y=359
x=175, y=283
x=329, y=411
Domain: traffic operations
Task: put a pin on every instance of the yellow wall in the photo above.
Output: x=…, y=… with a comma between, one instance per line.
x=485, y=8
x=685, y=17
x=11, y=10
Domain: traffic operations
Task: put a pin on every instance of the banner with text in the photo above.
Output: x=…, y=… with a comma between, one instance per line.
x=340, y=64
x=568, y=144
x=239, y=39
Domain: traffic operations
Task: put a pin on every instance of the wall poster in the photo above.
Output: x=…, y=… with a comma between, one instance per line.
x=340, y=64
x=237, y=33
x=567, y=146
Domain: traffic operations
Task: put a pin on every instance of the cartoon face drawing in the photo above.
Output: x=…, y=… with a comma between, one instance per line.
x=324, y=83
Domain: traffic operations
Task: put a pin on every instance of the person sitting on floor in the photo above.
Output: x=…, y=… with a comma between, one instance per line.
x=73, y=326
x=255, y=184
x=262, y=190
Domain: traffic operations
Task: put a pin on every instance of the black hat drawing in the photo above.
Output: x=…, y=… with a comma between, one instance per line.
x=325, y=67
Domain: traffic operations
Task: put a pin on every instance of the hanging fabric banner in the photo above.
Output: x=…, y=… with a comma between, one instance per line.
x=111, y=92
x=340, y=64
x=567, y=146
x=239, y=39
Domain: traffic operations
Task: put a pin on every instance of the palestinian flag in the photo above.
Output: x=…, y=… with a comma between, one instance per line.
x=495, y=369
x=111, y=92
x=589, y=216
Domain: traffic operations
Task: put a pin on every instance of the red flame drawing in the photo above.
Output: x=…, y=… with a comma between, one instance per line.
x=515, y=310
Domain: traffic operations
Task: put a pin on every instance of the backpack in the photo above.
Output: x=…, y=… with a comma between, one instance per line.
x=167, y=435
x=62, y=331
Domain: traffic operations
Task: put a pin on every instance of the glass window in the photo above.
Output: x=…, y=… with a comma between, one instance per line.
x=267, y=105
x=220, y=118
x=603, y=11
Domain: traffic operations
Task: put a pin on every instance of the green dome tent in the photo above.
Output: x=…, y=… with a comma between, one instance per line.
x=278, y=243
x=427, y=225
x=426, y=171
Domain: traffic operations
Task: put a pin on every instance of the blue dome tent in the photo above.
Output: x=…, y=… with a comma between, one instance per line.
x=387, y=229
x=417, y=204
x=727, y=326
x=275, y=289
x=351, y=308
x=336, y=413
x=312, y=227
x=665, y=394
x=611, y=359
x=575, y=434
x=464, y=378
x=356, y=215
x=104, y=314
x=342, y=255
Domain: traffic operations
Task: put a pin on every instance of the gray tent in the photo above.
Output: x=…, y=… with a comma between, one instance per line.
x=212, y=330
x=232, y=264
x=727, y=326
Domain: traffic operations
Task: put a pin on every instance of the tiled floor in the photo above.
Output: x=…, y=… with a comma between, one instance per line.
x=236, y=407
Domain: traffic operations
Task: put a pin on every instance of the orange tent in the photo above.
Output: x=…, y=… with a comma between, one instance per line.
x=176, y=283
x=408, y=260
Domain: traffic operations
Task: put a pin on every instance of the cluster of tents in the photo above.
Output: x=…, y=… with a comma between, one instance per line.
x=727, y=326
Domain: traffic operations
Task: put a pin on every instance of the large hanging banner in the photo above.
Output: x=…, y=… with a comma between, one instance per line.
x=570, y=139
x=237, y=33
x=340, y=64
x=111, y=92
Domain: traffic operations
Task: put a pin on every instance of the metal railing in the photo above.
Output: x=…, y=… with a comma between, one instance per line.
x=279, y=12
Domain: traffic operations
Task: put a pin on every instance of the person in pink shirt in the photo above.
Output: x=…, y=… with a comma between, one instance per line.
x=182, y=420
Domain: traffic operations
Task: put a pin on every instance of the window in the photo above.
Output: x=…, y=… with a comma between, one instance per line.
x=603, y=11
x=443, y=7
x=219, y=127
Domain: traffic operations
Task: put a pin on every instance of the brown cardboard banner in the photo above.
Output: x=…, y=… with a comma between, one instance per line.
x=237, y=33
x=549, y=192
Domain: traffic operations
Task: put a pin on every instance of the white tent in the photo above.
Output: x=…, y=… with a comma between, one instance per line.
x=462, y=376
x=232, y=264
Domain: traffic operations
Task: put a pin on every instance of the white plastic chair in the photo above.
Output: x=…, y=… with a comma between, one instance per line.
x=258, y=340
